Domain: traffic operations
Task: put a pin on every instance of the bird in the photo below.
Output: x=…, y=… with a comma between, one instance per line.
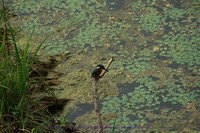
x=97, y=71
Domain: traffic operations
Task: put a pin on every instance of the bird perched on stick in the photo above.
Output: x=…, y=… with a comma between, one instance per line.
x=96, y=73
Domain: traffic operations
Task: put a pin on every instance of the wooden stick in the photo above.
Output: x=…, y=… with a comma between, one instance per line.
x=96, y=106
x=107, y=66
x=96, y=96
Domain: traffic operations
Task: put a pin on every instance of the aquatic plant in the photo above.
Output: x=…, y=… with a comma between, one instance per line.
x=175, y=13
x=137, y=66
x=143, y=5
x=131, y=109
x=139, y=5
x=150, y=22
x=181, y=41
x=87, y=35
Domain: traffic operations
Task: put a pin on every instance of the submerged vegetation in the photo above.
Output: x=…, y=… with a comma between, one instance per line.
x=156, y=44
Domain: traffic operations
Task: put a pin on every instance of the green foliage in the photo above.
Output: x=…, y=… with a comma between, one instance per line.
x=71, y=23
x=14, y=74
x=95, y=34
x=147, y=97
x=177, y=93
x=28, y=6
x=143, y=5
x=138, y=63
x=175, y=13
x=75, y=6
x=150, y=22
x=182, y=41
x=137, y=66
x=87, y=35
x=85, y=24
x=138, y=5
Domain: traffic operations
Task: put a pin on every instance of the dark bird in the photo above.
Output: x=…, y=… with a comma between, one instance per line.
x=97, y=71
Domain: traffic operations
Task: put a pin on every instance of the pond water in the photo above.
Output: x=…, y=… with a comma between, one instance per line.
x=155, y=78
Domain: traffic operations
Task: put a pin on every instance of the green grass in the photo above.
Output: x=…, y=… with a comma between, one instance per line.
x=15, y=107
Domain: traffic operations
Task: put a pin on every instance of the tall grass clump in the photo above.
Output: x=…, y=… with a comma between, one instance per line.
x=15, y=110
x=13, y=75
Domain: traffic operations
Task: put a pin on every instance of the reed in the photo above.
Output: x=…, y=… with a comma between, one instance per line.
x=15, y=112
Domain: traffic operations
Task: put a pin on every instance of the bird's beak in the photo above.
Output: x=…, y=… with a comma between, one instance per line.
x=106, y=70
